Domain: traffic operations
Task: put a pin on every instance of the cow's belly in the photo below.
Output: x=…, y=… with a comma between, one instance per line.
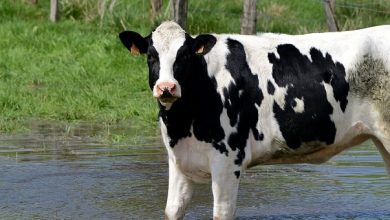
x=193, y=156
x=316, y=156
x=315, y=153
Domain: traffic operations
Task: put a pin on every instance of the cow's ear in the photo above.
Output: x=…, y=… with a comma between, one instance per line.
x=134, y=42
x=204, y=43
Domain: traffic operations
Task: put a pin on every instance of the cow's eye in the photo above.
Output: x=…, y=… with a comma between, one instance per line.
x=184, y=57
x=152, y=58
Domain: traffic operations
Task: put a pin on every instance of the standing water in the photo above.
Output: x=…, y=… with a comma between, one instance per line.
x=55, y=172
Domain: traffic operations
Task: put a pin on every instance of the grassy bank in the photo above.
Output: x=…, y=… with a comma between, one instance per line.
x=77, y=70
x=68, y=71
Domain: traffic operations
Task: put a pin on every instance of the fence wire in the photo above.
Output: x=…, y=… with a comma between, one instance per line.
x=230, y=11
x=371, y=7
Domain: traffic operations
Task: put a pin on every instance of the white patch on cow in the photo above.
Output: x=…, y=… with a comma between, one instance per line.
x=299, y=106
x=280, y=96
x=240, y=92
x=167, y=39
x=187, y=154
x=337, y=112
x=379, y=46
x=166, y=105
x=216, y=66
x=345, y=120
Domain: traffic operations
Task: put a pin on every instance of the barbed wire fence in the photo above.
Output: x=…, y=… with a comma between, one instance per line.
x=178, y=10
x=378, y=7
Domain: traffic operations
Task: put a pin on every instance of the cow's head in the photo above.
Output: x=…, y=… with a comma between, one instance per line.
x=172, y=55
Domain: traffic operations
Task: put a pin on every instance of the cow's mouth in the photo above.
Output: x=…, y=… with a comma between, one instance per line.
x=167, y=100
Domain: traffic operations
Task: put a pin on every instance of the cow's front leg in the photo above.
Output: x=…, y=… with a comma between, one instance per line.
x=225, y=181
x=179, y=193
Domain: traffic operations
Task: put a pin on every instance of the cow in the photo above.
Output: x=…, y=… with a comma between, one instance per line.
x=228, y=102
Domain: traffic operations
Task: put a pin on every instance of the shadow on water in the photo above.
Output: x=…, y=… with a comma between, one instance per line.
x=73, y=172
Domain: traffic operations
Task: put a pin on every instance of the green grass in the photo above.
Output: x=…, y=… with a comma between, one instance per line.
x=69, y=71
x=77, y=70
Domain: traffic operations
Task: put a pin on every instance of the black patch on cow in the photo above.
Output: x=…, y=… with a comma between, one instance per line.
x=334, y=74
x=258, y=136
x=200, y=105
x=231, y=103
x=237, y=173
x=172, y=142
x=303, y=77
x=270, y=88
x=153, y=64
x=221, y=147
x=241, y=98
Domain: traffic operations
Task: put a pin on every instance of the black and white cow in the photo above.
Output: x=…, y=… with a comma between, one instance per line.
x=229, y=102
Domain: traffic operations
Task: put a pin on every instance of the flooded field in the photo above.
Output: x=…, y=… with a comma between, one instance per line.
x=56, y=172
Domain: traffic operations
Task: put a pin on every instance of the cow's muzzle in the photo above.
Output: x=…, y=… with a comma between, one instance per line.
x=167, y=93
x=167, y=97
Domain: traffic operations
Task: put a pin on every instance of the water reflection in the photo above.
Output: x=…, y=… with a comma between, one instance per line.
x=57, y=171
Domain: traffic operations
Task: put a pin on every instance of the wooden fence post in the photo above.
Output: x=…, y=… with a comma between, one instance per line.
x=54, y=10
x=155, y=8
x=101, y=6
x=248, y=20
x=179, y=12
x=329, y=6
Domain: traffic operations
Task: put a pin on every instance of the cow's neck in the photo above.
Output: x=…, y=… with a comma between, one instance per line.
x=198, y=111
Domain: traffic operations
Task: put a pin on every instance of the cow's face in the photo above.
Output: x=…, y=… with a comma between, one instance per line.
x=171, y=56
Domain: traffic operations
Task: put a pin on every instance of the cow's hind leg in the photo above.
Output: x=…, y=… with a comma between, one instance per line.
x=383, y=145
x=179, y=193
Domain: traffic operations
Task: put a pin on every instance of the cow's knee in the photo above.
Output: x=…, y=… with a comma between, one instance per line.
x=174, y=212
x=180, y=190
x=225, y=182
x=224, y=211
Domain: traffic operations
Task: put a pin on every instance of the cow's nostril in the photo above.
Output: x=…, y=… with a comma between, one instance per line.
x=172, y=90
x=166, y=89
x=166, y=94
